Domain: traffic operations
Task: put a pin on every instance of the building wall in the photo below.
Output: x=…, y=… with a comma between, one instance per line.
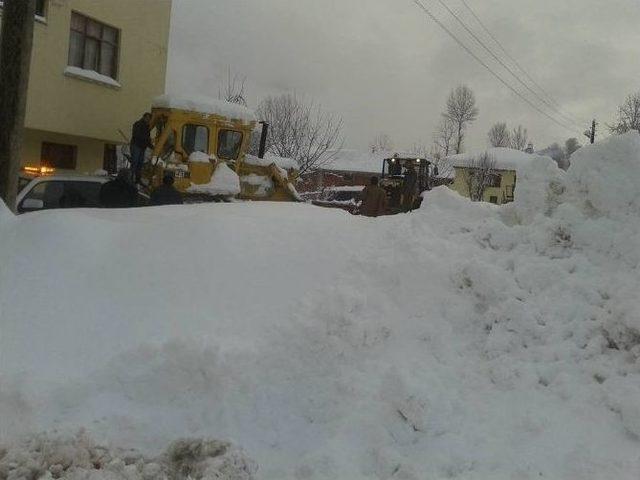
x=68, y=105
x=507, y=183
x=90, y=151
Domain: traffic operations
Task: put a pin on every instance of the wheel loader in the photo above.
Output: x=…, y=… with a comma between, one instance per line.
x=204, y=143
x=394, y=171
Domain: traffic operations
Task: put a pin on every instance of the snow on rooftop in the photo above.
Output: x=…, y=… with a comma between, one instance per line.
x=505, y=158
x=206, y=105
x=356, y=160
x=347, y=188
x=269, y=158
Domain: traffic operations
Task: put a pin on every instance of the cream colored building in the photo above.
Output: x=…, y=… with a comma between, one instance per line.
x=501, y=169
x=96, y=66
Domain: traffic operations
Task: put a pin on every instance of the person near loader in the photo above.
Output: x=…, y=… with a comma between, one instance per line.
x=166, y=194
x=409, y=185
x=374, y=199
x=119, y=192
x=140, y=141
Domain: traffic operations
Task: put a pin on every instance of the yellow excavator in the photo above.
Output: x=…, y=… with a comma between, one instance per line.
x=204, y=142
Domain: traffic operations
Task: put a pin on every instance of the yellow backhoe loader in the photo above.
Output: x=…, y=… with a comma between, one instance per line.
x=204, y=142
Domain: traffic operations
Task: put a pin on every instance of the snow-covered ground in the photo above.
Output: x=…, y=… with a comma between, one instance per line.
x=460, y=341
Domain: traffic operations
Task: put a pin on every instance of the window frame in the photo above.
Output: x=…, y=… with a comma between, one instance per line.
x=100, y=40
x=183, y=136
x=66, y=185
x=220, y=133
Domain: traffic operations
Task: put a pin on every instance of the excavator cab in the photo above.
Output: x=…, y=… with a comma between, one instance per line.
x=203, y=143
x=394, y=171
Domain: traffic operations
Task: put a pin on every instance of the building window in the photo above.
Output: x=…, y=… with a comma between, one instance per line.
x=41, y=8
x=229, y=143
x=493, y=199
x=57, y=155
x=195, y=138
x=495, y=180
x=110, y=158
x=93, y=46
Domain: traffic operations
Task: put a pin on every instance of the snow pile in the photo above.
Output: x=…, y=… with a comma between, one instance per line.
x=199, y=157
x=269, y=158
x=347, y=188
x=223, y=182
x=605, y=176
x=464, y=340
x=78, y=457
x=504, y=158
x=206, y=105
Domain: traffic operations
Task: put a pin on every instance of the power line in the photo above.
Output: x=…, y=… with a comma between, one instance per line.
x=510, y=57
x=500, y=79
x=505, y=66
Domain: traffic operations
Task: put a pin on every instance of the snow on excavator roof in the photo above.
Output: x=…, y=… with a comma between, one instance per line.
x=204, y=104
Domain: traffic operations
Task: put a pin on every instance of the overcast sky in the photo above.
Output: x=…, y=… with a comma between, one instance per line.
x=384, y=66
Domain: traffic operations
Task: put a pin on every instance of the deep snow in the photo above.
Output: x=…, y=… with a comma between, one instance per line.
x=460, y=341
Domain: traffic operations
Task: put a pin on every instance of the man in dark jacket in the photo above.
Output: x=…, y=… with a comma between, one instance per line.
x=409, y=185
x=140, y=141
x=166, y=194
x=120, y=192
x=374, y=199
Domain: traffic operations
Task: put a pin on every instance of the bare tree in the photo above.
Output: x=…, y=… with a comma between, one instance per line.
x=443, y=138
x=628, y=115
x=570, y=146
x=16, y=42
x=499, y=135
x=234, y=89
x=381, y=143
x=480, y=174
x=519, y=138
x=461, y=111
x=301, y=130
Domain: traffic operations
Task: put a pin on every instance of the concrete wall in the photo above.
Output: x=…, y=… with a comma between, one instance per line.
x=507, y=183
x=77, y=107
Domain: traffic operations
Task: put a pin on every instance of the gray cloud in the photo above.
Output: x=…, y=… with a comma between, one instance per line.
x=385, y=67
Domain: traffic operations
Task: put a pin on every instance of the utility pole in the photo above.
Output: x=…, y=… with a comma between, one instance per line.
x=591, y=134
x=16, y=43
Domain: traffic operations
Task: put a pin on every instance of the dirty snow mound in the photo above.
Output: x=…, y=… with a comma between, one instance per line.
x=79, y=457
